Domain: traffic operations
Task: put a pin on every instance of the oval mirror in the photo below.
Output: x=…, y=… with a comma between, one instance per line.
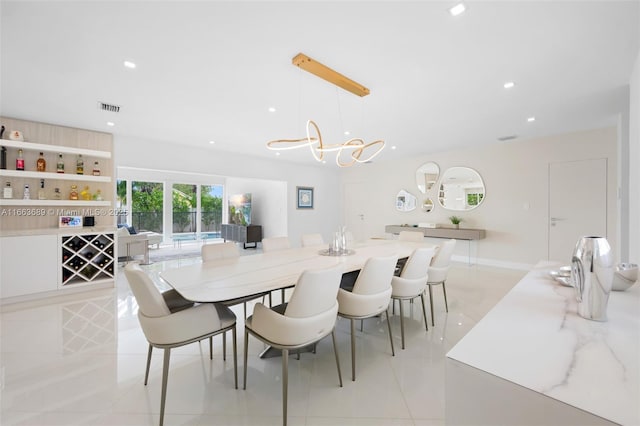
x=427, y=176
x=461, y=188
x=405, y=202
x=427, y=205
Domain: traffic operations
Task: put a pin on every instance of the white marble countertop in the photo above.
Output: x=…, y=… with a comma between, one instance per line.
x=533, y=337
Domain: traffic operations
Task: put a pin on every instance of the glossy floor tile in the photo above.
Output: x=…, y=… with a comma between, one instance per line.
x=79, y=360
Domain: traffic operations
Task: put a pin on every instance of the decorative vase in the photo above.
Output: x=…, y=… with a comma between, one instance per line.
x=456, y=225
x=592, y=275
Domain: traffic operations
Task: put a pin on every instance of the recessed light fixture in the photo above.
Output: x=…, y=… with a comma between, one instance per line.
x=277, y=154
x=272, y=109
x=457, y=9
x=129, y=64
x=110, y=123
x=393, y=147
x=509, y=85
x=347, y=133
x=212, y=142
x=531, y=119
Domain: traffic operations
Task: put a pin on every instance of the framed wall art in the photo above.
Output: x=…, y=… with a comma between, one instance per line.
x=305, y=197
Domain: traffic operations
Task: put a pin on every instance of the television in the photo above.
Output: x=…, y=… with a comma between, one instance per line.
x=240, y=209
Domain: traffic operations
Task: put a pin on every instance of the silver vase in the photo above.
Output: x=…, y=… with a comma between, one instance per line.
x=592, y=276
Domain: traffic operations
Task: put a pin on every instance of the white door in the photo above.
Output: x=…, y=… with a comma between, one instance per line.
x=355, y=205
x=577, y=204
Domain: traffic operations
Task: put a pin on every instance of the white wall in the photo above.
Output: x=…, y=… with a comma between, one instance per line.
x=634, y=164
x=515, y=210
x=323, y=218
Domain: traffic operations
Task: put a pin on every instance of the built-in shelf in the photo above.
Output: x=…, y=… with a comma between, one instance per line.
x=49, y=175
x=54, y=148
x=66, y=203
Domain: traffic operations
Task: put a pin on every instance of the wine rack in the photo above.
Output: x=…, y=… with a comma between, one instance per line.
x=87, y=258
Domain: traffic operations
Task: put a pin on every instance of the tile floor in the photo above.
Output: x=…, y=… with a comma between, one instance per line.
x=79, y=360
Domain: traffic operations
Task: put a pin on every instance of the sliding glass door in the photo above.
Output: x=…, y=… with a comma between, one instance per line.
x=211, y=210
x=147, y=206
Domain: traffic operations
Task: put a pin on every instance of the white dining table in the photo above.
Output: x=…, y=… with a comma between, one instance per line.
x=228, y=279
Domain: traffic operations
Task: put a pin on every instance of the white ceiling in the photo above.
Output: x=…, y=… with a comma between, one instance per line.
x=210, y=70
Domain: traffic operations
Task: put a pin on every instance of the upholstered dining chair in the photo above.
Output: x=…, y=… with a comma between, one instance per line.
x=226, y=250
x=370, y=297
x=310, y=240
x=165, y=329
x=438, y=271
x=309, y=316
x=272, y=244
x=219, y=251
x=412, y=282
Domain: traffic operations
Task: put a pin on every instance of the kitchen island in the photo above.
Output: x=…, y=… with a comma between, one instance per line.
x=532, y=360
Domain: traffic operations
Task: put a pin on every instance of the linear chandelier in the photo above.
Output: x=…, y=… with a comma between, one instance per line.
x=360, y=152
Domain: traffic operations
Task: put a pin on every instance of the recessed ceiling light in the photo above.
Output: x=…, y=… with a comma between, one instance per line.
x=393, y=147
x=457, y=9
x=530, y=119
x=110, y=123
x=277, y=154
x=272, y=109
x=129, y=64
x=347, y=133
x=509, y=85
x=212, y=142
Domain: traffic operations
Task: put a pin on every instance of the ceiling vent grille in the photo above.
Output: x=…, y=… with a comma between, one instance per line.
x=507, y=138
x=103, y=106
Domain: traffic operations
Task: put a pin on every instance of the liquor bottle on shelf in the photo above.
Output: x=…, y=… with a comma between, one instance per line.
x=98, y=195
x=19, y=161
x=85, y=194
x=3, y=158
x=8, y=191
x=41, y=194
x=73, y=194
x=96, y=169
x=79, y=165
x=26, y=194
x=60, y=164
x=56, y=194
x=41, y=163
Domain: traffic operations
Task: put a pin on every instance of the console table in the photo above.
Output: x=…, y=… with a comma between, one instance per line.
x=250, y=234
x=448, y=233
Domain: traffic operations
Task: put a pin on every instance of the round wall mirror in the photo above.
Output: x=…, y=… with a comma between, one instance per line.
x=405, y=202
x=427, y=205
x=427, y=176
x=461, y=188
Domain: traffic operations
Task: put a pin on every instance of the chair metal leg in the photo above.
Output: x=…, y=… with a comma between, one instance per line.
x=424, y=312
x=444, y=291
x=235, y=357
x=146, y=374
x=224, y=346
x=246, y=351
x=362, y=326
x=282, y=293
x=431, y=304
x=165, y=374
x=335, y=350
x=270, y=301
x=393, y=352
x=211, y=347
x=285, y=384
x=244, y=305
x=401, y=322
x=353, y=350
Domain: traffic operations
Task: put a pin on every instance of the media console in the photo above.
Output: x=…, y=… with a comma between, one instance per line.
x=250, y=234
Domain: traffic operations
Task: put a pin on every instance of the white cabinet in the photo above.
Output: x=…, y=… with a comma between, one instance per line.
x=87, y=258
x=29, y=265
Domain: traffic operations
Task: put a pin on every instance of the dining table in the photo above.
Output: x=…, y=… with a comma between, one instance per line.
x=257, y=274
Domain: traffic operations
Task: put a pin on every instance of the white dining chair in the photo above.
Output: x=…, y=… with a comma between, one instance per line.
x=309, y=316
x=274, y=244
x=226, y=250
x=310, y=240
x=370, y=297
x=412, y=282
x=438, y=272
x=165, y=329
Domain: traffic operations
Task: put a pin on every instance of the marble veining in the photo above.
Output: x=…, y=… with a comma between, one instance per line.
x=535, y=338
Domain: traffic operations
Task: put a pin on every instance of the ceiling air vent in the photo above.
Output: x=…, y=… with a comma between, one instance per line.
x=102, y=106
x=507, y=138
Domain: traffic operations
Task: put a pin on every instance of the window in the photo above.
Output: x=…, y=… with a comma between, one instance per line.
x=147, y=203
x=211, y=210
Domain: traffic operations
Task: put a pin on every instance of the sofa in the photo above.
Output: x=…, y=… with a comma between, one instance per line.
x=132, y=243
